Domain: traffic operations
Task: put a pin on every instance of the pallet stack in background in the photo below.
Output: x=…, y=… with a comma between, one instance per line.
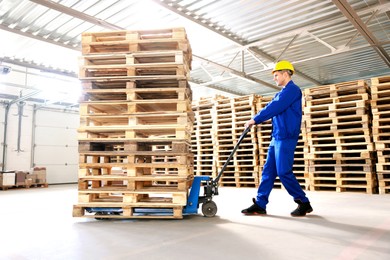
x=135, y=122
x=202, y=137
x=338, y=129
x=230, y=116
x=335, y=151
x=380, y=105
x=245, y=160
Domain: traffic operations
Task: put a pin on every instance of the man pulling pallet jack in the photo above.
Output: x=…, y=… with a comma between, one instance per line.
x=285, y=109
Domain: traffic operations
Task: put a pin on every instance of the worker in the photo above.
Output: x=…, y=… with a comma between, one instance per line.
x=285, y=109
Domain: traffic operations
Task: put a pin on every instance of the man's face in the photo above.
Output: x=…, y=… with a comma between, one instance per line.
x=281, y=78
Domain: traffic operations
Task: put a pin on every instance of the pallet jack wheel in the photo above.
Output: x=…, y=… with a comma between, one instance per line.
x=209, y=209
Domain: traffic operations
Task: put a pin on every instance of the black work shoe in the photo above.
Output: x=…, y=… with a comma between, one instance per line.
x=254, y=209
x=303, y=208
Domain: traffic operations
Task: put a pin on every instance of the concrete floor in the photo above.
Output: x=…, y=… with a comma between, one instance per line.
x=37, y=223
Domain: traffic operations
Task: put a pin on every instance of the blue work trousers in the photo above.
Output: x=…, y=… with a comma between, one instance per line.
x=280, y=160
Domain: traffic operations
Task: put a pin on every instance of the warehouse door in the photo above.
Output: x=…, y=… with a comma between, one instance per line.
x=55, y=145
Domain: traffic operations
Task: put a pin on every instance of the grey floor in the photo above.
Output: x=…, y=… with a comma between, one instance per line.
x=37, y=223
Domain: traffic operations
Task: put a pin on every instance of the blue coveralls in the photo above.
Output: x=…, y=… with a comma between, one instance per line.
x=285, y=109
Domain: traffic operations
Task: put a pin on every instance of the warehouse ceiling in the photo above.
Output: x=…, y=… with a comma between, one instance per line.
x=234, y=43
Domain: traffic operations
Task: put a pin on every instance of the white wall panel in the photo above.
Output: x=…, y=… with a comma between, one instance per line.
x=53, y=135
x=61, y=173
x=51, y=142
x=56, y=145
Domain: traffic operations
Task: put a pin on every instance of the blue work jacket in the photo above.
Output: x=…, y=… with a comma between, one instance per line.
x=285, y=109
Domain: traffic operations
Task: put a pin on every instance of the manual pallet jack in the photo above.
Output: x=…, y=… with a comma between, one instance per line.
x=210, y=186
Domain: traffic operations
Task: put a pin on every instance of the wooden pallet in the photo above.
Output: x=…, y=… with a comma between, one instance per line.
x=156, y=107
x=384, y=182
x=338, y=133
x=130, y=212
x=126, y=46
x=136, y=157
x=144, y=58
x=147, y=78
x=336, y=90
x=152, y=146
x=173, y=133
x=339, y=121
x=380, y=105
x=126, y=180
x=120, y=35
x=116, y=41
x=138, y=119
x=379, y=80
x=203, y=147
x=381, y=125
x=144, y=168
x=339, y=109
x=383, y=156
x=343, y=181
x=312, y=102
x=133, y=71
x=133, y=197
x=338, y=141
x=135, y=84
x=95, y=39
x=172, y=94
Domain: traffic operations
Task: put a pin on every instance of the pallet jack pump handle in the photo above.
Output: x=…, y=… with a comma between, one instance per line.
x=216, y=181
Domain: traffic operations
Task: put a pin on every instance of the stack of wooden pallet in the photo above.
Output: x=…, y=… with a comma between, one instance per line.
x=136, y=123
x=300, y=167
x=246, y=158
x=230, y=116
x=202, y=137
x=339, y=137
x=380, y=105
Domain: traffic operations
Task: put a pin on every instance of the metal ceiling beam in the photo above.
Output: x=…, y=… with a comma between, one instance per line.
x=270, y=39
x=96, y=21
x=25, y=97
x=182, y=11
x=30, y=35
x=38, y=67
x=347, y=10
x=357, y=33
x=174, y=7
x=77, y=14
x=237, y=73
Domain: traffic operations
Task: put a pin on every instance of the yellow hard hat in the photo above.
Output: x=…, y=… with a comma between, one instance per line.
x=283, y=65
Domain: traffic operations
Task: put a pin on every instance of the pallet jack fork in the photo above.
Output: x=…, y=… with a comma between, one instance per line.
x=210, y=186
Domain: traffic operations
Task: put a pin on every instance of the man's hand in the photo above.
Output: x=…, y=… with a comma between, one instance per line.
x=250, y=123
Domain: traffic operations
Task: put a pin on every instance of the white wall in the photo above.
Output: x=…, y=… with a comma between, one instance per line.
x=51, y=142
x=56, y=145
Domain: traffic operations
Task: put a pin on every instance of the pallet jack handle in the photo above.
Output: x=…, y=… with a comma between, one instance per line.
x=216, y=181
